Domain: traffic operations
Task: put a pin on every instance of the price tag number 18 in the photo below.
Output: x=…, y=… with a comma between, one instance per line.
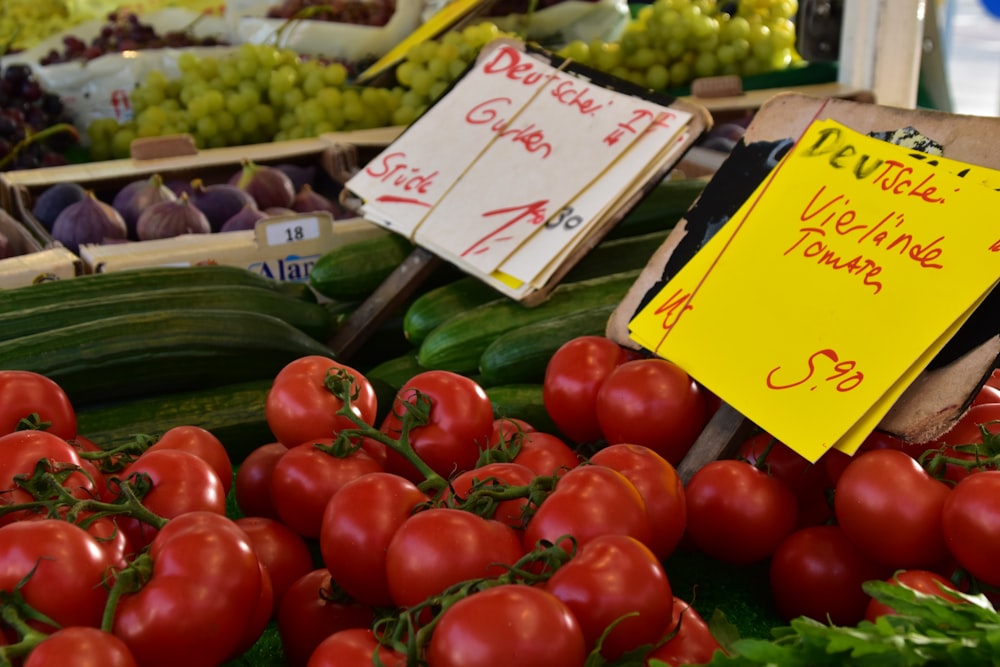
x=292, y=231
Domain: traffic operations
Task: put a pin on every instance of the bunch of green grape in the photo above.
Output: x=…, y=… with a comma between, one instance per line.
x=672, y=42
x=431, y=66
x=253, y=94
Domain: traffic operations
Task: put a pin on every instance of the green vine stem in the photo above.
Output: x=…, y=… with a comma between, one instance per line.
x=34, y=137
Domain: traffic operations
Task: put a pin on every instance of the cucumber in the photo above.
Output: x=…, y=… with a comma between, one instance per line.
x=307, y=316
x=458, y=344
x=435, y=306
x=661, y=209
x=159, y=351
x=234, y=413
x=353, y=270
x=522, y=401
x=520, y=355
x=396, y=371
x=141, y=280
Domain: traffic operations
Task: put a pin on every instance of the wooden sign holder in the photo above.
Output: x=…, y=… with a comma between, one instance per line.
x=943, y=392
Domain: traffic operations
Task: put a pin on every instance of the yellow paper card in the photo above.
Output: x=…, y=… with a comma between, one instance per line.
x=830, y=289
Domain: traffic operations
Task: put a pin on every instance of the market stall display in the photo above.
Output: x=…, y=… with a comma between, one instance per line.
x=204, y=473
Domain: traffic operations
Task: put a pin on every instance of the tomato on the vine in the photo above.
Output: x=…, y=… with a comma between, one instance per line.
x=818, y=572
x=923, y=581
x=300, y=406
x=654, y=403
x=181, y=483
x=80, y=645
x=588, y=501
x=460, y=424
x=964, y=441
x=21, y=452
x=284, y=553
x=507, y=625
x=252, y=485
x=439, y=547
x=970, y=520
x=660, y=487
x=689, y=640
x=355, y=647
x=545, y=454
x=573, y=375
x=358, y=524
x=891, y=509
x=202, y=595
x=618, y=591
x=203, y=444
x=737, y=513
x=62, y=568
x=808, y=481
x=307, y=476
x=311, y=611
x=501, y=475
x=24, y=393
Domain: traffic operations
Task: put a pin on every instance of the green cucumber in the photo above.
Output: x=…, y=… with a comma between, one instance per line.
x=435, y=306
x=458, y=344
x=396, y=371
x=522, y=401
x=353, y=271
x=141, y=280
x=234, y=413
x=307, y=316
x=159, y=351
x=661, y=209
x=520, y=355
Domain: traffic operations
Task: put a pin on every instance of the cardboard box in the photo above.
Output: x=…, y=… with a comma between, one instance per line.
x=30, y=262
x=283, y=247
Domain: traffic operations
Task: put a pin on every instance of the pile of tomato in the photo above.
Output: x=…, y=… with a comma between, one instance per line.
x=442, y=535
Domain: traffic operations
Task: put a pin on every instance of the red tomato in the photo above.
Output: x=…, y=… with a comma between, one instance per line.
x=588, y=501
x=355, y=647
x=505, y=428
x=545, y=454
x=615, y=580
x=300, y=406
x=310, y=612
x=306, y=477
x=252, y=485
x=965, y=439
x=21, y=451
x=81, y=646
x=923, y=581
x=499, y=475
x=738, y=513
x=201, y=597
x=808, y=481
x=358, y=524
x=282, y=551
x=573, y=376
x=654, y=403
x=891, y=509
x=971, y=524
x=994, y=379
x=834, y=461
x=66, y=565
x=507, y=625
x=987, y=394
x=660, y=487
x=689, y=641
x=181, y=483
x=817, y=572
x=24, y=393
x=460, y=424
x=436, y=548
x=263, y=610
x=202, y=444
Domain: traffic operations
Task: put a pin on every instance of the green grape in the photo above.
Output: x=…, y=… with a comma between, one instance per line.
x=225, y=121
x=188, y=62
x=706, y=64
x=782, y=33
x=293, y=98
x=404, y=72
x=121, y=141
x=197, y=108
x=438, y=88
x=404, y=115
x=334, y=74
x=725, y=54
x=312, y=82
x=456, y=68
x=577, y=50
x=214, y=100
x=607, y=56
x=642, y=59
x=421, y=81
x=311, y=112
x=335, y=117
x=247, y=122
x=657, y=77
x=236, y=103
x=329, y=97
x=680, y=73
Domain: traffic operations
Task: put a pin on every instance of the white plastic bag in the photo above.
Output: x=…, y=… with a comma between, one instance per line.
x=344, y=42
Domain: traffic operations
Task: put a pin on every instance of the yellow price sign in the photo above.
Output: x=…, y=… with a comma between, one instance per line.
x=832, y=287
